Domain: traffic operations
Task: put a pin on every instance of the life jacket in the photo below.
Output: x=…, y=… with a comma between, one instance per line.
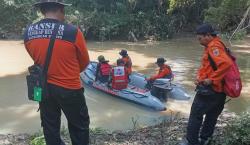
x=164, y=72
x=170, y=75
x=119, y=78
x=105, y=69
x=128, y=64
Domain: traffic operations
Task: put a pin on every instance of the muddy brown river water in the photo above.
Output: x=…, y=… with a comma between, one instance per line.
x=18, y=115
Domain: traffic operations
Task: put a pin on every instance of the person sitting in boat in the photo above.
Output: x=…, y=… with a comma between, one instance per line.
x=164, y=71
x=127, y=60
x=119, y=76
x=103, y=70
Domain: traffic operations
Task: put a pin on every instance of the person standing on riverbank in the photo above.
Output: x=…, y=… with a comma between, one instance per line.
x=69, y=58
x=210, y=99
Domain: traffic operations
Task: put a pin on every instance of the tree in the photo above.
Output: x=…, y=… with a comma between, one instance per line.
x=227, y=15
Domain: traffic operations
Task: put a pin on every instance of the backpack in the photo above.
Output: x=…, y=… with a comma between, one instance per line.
x=232, y=81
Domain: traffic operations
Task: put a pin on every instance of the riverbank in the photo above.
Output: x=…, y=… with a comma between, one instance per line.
x=115, y=113
x=168, y=132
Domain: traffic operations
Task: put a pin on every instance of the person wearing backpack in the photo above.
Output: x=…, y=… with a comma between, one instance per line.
x=210, y=97
x=68, y=58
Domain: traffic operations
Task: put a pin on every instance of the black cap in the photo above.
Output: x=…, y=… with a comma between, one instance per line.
x=160, y=60
x=123, y=52
x=60, y=2
x=205, y=29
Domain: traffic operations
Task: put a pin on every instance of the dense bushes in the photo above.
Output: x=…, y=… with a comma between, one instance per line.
x=15, y=15
x=119, y=19
x=227, y=14
x=237, y=132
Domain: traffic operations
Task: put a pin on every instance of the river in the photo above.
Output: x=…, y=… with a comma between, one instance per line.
x=18, y=115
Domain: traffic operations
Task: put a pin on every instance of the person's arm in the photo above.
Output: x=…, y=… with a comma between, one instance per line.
x=129, y=62
x=82, y=51
x=223, y=63
x=26, y=47
x=162, y=74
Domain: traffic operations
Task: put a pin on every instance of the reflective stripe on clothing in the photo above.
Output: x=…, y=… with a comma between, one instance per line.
x=119, y=78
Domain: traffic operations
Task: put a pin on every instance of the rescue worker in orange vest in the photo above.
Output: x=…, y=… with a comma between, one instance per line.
x=209, y=99
x=103, y=70
x=164, y=71
x=119, y=76
x=69, y=58
x=127, y=60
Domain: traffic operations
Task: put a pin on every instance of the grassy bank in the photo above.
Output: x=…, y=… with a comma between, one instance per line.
x=231, y=129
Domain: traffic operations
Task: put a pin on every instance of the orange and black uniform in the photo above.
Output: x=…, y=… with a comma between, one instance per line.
x=164, y=72
x=69, y=58
x=210, y=105
x=217, y=52
x=128, y=63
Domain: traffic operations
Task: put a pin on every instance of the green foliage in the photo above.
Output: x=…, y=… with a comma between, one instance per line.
x=38, y=141
x=227, y=15
x=115, y=19
x=98, y=130
x=118, y=19
x=187, y=12
x=238, y=131
x=15, y=15
x=240, y=35
x=38, y=138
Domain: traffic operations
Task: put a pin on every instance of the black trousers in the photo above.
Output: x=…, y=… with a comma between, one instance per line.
x=73, y=105
x=208, y=106
x=159, y=93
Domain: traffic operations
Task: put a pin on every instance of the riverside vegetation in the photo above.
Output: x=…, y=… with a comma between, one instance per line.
x=231, y=130
x=130, y=19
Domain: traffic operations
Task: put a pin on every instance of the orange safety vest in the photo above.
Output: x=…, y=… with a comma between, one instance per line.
x=164, y=72
x=119, y=78
x=128, y=64
x=105, y=69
